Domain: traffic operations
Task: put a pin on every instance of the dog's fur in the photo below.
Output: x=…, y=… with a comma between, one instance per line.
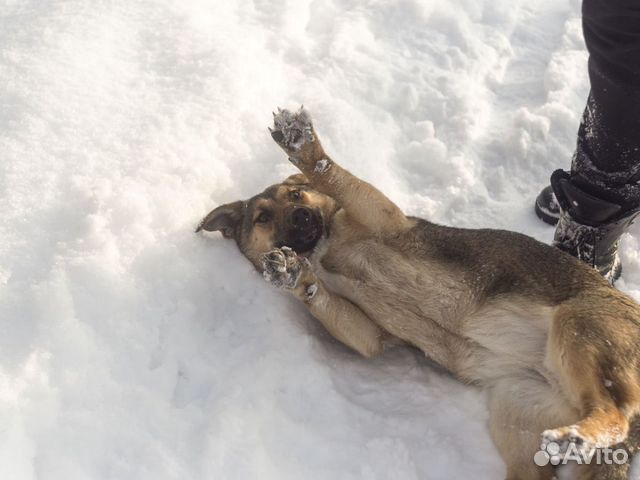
x=554, y=345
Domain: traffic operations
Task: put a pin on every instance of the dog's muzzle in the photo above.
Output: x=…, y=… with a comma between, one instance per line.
x=304, y=229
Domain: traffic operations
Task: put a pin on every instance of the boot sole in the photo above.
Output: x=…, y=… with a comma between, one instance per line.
x=546, y=216
x=616, y=271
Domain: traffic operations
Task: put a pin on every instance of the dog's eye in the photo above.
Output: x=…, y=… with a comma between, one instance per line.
x=264, y=217
x=295, y=195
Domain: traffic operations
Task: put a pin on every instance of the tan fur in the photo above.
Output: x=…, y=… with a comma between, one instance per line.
x=553, y=344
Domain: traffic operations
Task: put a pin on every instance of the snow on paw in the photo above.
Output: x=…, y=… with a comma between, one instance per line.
x=282, y=267
x=560, y=442
x=292, y=130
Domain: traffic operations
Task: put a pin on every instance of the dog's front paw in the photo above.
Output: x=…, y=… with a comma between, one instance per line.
x=282, y=267
x=293, y=131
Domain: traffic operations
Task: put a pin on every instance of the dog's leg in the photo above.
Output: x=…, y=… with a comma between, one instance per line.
x=597, y=367
x=344, y=320
x=520, y=407
x=294, y=133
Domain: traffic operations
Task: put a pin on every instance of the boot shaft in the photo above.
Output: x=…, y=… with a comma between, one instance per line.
x=590, y=228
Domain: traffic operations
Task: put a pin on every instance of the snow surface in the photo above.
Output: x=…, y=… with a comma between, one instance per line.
x=131, y=348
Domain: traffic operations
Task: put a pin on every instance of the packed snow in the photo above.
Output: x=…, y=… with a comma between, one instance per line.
x=132, y=348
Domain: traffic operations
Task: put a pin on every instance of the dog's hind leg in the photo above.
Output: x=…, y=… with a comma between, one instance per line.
x=520, y=407
x=294, y=133
x=593, y=349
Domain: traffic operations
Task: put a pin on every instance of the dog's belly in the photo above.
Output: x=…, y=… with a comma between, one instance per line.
x=512, y=335
x=431, y=308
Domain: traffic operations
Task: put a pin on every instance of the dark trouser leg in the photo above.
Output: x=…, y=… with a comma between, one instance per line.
x=601, y=196
x=607, y=159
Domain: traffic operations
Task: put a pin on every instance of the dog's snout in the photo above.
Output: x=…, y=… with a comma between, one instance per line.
x=304, y=228
x=301, y=217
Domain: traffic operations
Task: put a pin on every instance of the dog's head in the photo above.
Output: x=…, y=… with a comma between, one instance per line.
x=287, y=214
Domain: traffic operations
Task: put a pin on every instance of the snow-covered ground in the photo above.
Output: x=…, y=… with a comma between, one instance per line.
x=131, y=348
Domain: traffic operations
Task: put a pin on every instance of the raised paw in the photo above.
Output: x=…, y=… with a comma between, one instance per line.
x=292, y=130
x=282, y=267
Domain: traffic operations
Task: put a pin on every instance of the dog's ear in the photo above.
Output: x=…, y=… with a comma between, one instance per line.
x=224, y=219
x=296, y=179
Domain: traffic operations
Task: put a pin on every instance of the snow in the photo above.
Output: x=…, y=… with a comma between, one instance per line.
x=322, y=166
x=131, y=348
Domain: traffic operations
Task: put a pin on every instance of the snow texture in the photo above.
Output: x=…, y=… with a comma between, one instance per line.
x=311, y=291
x=130, y=347
x=322, y=166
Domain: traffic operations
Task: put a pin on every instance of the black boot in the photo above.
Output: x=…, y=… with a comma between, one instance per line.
x=547, y=208
x=589, y=228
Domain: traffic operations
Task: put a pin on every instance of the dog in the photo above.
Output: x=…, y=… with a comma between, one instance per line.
x=554, y=345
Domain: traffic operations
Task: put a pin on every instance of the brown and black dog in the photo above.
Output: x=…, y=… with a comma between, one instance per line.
x=555, y=346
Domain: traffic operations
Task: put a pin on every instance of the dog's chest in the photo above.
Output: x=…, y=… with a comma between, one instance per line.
x=431, y=306
x=399, y=292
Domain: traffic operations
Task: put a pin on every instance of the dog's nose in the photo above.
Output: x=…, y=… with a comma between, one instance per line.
x=301, y=217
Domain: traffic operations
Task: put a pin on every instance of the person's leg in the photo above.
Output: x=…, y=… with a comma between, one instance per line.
x=600, y=197
x=607, y=159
